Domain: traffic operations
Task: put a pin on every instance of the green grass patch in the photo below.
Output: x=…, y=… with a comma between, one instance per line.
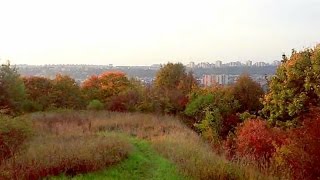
x=142, y=163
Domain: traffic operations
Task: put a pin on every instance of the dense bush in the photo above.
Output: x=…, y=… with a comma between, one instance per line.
x=14, y=132
x=125, y=101
x=256, y=141
x=300, y=155
x=195, y=106
x=32, y=106
x=214, y=111
x=95, y=105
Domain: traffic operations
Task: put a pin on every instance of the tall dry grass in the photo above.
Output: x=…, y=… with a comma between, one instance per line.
x=64, y=144
x=171, y=138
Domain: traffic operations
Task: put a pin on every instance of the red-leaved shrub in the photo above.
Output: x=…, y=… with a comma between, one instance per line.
x=229, y=124
x=301, y=154
x=256, y=141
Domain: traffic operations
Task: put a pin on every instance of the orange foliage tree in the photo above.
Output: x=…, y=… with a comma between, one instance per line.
x=91, y=88
x=106, y=87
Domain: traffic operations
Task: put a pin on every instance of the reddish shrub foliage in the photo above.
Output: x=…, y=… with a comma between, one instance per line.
x=229, y=124
x=256, y=141
x=301, y=155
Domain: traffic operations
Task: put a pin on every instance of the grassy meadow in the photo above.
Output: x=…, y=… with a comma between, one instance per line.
x=109, y=145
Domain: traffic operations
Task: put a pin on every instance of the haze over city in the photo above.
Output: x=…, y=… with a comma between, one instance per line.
x=147, y=32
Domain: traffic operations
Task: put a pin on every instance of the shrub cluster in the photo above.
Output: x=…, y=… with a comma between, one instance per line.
x=14, y=133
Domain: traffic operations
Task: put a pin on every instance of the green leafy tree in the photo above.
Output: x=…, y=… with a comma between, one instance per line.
x=294, y=88
x=12, y=90
x=213, y=110
x=196, y=106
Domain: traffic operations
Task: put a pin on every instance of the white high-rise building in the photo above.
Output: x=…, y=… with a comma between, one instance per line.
x=209, y=80
x=260, y=64
x=249, y=63
x=222, y=79
x=218, y=63
x=191, y=65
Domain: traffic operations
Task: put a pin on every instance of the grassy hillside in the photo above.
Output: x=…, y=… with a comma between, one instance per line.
x=118, y=146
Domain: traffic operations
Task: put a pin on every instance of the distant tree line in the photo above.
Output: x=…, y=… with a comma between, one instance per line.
x=81, y=72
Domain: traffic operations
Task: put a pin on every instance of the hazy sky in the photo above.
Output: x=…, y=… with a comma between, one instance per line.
x=144, y=32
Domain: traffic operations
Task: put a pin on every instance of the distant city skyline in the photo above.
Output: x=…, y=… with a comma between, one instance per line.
x=144, y=32
x=217, y=63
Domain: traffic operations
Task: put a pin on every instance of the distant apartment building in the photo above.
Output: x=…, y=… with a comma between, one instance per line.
x=222, y=79
x=234, y=64
x=208, y=80
x=205, y=65
x=249, y=63
x=218, y=63
x=260, y=64
x=212, y=79
x=191, y=65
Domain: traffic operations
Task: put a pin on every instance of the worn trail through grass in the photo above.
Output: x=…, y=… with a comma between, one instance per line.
x=142, y=163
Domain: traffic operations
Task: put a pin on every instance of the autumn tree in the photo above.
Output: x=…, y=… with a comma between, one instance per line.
x=149, y=100
x=112, y=83
x=38, y=91
x=173, y=84
x=12, y=90
x=110, y=88
x=174, y=76
x=248, y=94
x=91, y=88
x=66, y=93
x=294, y=88
x=128, y=99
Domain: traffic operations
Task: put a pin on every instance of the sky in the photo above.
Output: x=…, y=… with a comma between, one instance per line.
x=145, y=32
